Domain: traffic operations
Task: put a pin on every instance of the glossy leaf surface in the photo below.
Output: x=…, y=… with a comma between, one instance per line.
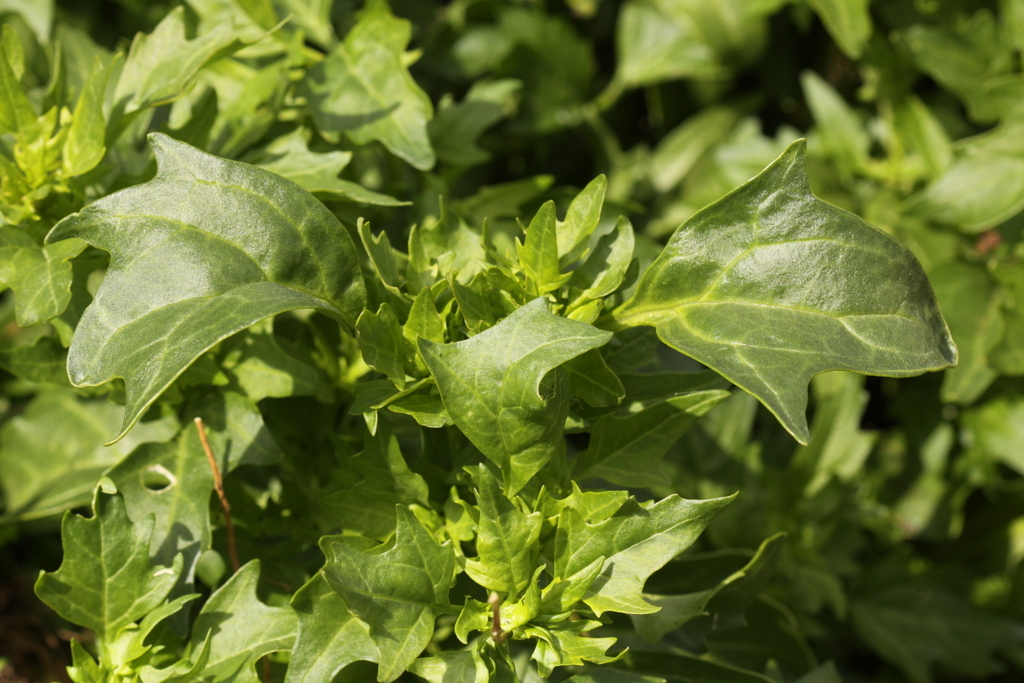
x=213, y=220
x=770, y=286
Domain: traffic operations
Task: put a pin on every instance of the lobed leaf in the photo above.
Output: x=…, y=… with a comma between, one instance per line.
x=40, y=276
x=491, y=386
x=636, y=541
x=397, y=592
x=364, y=89
x=106, y=581
x=204, y=250
x=240, y=629
x=770, y=286
x=329, y=637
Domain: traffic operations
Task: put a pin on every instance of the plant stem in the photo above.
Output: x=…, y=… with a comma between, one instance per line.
x=218, y=484
x=497, y=635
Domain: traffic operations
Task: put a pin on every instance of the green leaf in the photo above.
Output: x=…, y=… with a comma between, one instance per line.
x=538, y=255
x=256, y=362
x=681, y=149
x=591, y=380
x=16, y=112
x=182, y=671
x=563, y=593
x=580, y=221
x=594, y=506
x=984, y=185
x=838, y=447
x=732, y=290
x=384, y=347
x=190, y=266
x=848, y=21
x=52, y=454
x=84, y=668
x=838, y=133
x=660, y=40
x=636, y=541
x=317, y=172
x=241, y=629
x=173, y=480
x=973, y=306
x=44, y=361
x=40, y=276
x=915, y=626
x=565, y=644
x=491, y=386
x=384, y=259
x=314, y=17
x=363, y=492
x=723, y=605
x=995, y=430
x=364, y=89
x=506, y=539
x=85, y=144
x=465, y=666
x=424, y=320
x=38, y=14
x=329, y=638
x=628, y=450
x=681, y=667
x=455, y=128
x=427, y=410
x=105, y=581
x=397, y=591
x=609, y=676
x=162, y=65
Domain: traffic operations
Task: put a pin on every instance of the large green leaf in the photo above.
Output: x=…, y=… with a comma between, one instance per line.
x=106, y=581
x=397, y=592
x=770, y=286
x=568, y=643
x=329, y=638
x=721, y=606
x=203, y=250
x=984, y=185
x=491, y=385
x=365, y=90
x=636, y=541
x=241, y=629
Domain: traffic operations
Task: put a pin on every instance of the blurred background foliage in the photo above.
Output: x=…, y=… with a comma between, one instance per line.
x=904, y=515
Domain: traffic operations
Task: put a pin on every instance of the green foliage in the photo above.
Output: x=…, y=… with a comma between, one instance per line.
x=524, y=338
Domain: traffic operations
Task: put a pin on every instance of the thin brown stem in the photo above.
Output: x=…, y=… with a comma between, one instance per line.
x=218, y=484
x=497, y=635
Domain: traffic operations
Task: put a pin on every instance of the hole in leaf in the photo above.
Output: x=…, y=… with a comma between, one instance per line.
x=157, y=478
